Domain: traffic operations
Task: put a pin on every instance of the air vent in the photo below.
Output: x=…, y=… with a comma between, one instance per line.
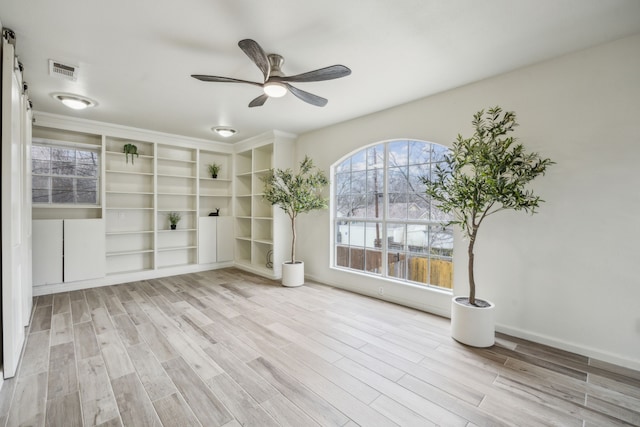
x=69, y=72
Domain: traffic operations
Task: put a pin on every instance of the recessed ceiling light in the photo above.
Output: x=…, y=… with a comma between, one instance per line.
x=75, y=102
x=224, y=132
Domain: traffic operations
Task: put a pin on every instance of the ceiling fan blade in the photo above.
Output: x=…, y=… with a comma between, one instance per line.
x=307, y=97
x=253, y=50
x=327, y=73
x=206, y=78
x=259, y=101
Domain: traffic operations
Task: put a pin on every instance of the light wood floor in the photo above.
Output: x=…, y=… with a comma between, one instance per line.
x=225, y=348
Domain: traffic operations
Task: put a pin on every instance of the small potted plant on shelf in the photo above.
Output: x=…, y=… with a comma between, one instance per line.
x=174, y=219
x=130, y=149
x=295, y=193
x=214, y=168
x=481, y=176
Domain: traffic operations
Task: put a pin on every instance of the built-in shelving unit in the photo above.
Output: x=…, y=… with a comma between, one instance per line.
x=129, y=206
x=224, y=219
x=256, y=221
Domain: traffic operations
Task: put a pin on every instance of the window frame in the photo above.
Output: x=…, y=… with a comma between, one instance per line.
x=338, y=244
x=67, y=145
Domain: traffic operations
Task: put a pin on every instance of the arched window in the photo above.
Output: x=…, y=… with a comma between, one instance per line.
x=384, y=223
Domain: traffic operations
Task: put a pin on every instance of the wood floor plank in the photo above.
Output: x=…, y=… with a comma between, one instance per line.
x=133, y=403
x=101, y=320
x=85, y=340
x=315, y=407
x=399, y=414
x=126, y=329
x=416, y=403
x=245, y=410
x=36, y=354
x=204, y=404
x=64, y=411
x=174, y=412
x=157, y=342
x=153, y=377
x=41, y=319
x=61, y=303
x=94, y=299
x=253, y=384
x=96, y=395
x=135, y=312
x=29, y=401
x=115, y=355
x=63, y=377
x=286, y=413
x=80, y=311
x=61, y=328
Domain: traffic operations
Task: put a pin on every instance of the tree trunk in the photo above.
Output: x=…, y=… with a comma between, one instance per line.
x=293, y=239
x=472, y=281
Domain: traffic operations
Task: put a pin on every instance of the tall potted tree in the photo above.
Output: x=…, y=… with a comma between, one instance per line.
x=295, y=193
x=481, y=176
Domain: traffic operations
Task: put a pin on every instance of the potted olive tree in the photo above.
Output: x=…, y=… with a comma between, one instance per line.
x=481, y=176
x=295, y=193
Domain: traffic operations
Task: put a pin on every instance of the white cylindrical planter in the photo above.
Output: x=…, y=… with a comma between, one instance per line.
x=474, y=326
x=293, y=274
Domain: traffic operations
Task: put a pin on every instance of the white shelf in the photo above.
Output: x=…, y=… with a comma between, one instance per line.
x=177, y=229
x=176, y=248
x=140, y=193
x=176, y=194
x=169, y=159
x=130, y=172
x=120, y=253
x=162, y=175
x=263, y=241
x=115, y=208
x=123, y=233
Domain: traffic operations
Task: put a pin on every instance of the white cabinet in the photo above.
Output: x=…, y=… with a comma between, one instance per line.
x=47, y=251
x=68, y=250
x=215, y=239
x=83, y=249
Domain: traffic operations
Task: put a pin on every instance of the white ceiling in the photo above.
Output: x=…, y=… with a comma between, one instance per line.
x=136, y=56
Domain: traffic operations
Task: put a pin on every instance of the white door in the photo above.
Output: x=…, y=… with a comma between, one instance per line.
x=11, y=201
x=27, y=235
x=83, y=249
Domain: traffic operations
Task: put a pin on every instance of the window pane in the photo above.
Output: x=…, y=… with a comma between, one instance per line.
x=356, y=258
x=418, y=207
x=40, y=153
x=396, y=237
x=441, y=242
x=356, y=234
x=358, y=182
x=375, y=157
x=40, y=167
x=418, y=270
x=396, y=265
x=343, y=206
x=344, y=166
x=416, y=173
x=358, y=162
x=86, y=190
x=62, y=190
x=342, y=256
x=373, y=261
x=343, y=183
x=375, y=206
x=374, y=235
x=398, y=153
x=397, y=180
x=40, y=189
x=418, y=238
x=375, y=181
x=398, y=206
x=419, y=153
x=86, y=170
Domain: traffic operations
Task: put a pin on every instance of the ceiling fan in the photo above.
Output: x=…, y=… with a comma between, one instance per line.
x=276, y=84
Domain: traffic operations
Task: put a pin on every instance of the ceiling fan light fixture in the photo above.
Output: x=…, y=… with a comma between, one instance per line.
x=275, y=89
x=224, y=132
x=75, y=102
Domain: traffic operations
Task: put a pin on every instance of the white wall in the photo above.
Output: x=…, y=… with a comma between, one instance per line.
x=565, y=276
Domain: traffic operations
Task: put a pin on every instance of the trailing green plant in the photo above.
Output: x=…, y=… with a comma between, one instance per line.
x=483, y=175
x=214, y=168
x=296, y=192
x=174, y=217
x=130, y=149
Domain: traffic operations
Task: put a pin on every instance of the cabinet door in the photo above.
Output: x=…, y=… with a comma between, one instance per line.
x=207, y=240
x=84, y=249
x=47, y=251
x=224, y=238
